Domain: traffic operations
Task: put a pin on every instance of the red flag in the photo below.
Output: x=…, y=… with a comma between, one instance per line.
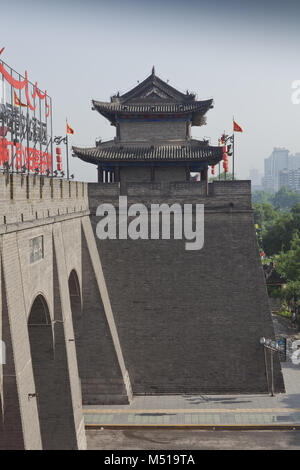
x=236, y=127
x=69, y=129
x=17, y=100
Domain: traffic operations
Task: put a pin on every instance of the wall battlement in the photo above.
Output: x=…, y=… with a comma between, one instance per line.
x=25, y=198
x=233, y=194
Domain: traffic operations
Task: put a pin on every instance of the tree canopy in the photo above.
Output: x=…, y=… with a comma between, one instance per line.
x=288, y=262
x=284, y=199
x=278, y=228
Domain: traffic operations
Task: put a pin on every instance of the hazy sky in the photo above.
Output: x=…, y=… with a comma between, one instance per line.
x=244, y=54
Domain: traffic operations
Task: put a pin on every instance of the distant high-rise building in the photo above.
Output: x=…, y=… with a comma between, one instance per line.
x=294, y=161
x=290, y=179
x=274, y=164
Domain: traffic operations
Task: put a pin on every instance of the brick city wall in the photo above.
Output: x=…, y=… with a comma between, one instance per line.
x=44, y=225
x=145, y=316
x=190, y=321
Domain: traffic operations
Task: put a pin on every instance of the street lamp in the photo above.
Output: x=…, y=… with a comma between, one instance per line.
x=273, y=346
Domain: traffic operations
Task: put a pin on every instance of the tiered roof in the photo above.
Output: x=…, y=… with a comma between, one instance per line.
x=154, y=96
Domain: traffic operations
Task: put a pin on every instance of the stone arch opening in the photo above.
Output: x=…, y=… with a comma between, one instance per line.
x=42, y=355
x=74, y=286
x=51, y=376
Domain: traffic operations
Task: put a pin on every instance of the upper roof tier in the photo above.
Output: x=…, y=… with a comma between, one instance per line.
x=154, y=96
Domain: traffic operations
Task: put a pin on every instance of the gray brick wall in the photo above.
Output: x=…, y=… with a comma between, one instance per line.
x=152, y=131
x=43, y=360
x=56, y=216
x=104, y=376
x=190, y=322
x=151, y=317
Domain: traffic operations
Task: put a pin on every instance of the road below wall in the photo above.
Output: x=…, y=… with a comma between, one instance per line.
x=170, y=439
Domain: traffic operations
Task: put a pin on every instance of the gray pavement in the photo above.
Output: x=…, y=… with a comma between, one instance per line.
x=209, y=410
x=161, y=417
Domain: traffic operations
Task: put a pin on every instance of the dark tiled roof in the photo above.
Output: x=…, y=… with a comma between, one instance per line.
x=146, y=153
x=195, y=106
x=154, y=96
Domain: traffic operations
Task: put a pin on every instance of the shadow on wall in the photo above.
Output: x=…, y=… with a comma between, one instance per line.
x=76, y=308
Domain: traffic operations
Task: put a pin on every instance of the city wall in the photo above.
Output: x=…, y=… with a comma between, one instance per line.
x=50, y=277
x=190, y=322
x=108, y=319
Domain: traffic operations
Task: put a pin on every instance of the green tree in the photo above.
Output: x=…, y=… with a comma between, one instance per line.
x=278, y=236
x=288, y=263
x=264, y=215
x=296, y=210
x=291, y=293
x=261, y=197
x=285, y=198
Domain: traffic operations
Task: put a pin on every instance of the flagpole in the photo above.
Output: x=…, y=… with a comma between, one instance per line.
x=67, y=149
x=3, y=101
x=12, y=98
x=233, y=156
x=219, y=162
x=224, y=142
x=233, y=148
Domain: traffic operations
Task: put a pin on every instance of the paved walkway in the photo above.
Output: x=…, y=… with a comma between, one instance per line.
x=206, y=410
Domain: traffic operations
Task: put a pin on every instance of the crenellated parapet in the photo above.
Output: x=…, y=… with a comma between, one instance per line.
x=30, y=197
x=225, y=195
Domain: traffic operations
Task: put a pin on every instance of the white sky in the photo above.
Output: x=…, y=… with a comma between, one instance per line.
x=245, y=58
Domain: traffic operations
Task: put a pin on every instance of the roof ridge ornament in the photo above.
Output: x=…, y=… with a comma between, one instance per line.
x=153, y=70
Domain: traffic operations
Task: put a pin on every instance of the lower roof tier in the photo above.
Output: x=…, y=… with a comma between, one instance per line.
x=155, y=153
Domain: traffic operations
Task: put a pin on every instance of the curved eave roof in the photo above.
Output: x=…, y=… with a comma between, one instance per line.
x=117, y=153
x=196, y=108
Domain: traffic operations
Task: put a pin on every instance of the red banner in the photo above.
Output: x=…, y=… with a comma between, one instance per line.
x=12, y=81
x=30, y=157
x=20, y=84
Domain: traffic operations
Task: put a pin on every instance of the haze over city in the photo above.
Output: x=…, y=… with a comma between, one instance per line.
x=245, y=56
